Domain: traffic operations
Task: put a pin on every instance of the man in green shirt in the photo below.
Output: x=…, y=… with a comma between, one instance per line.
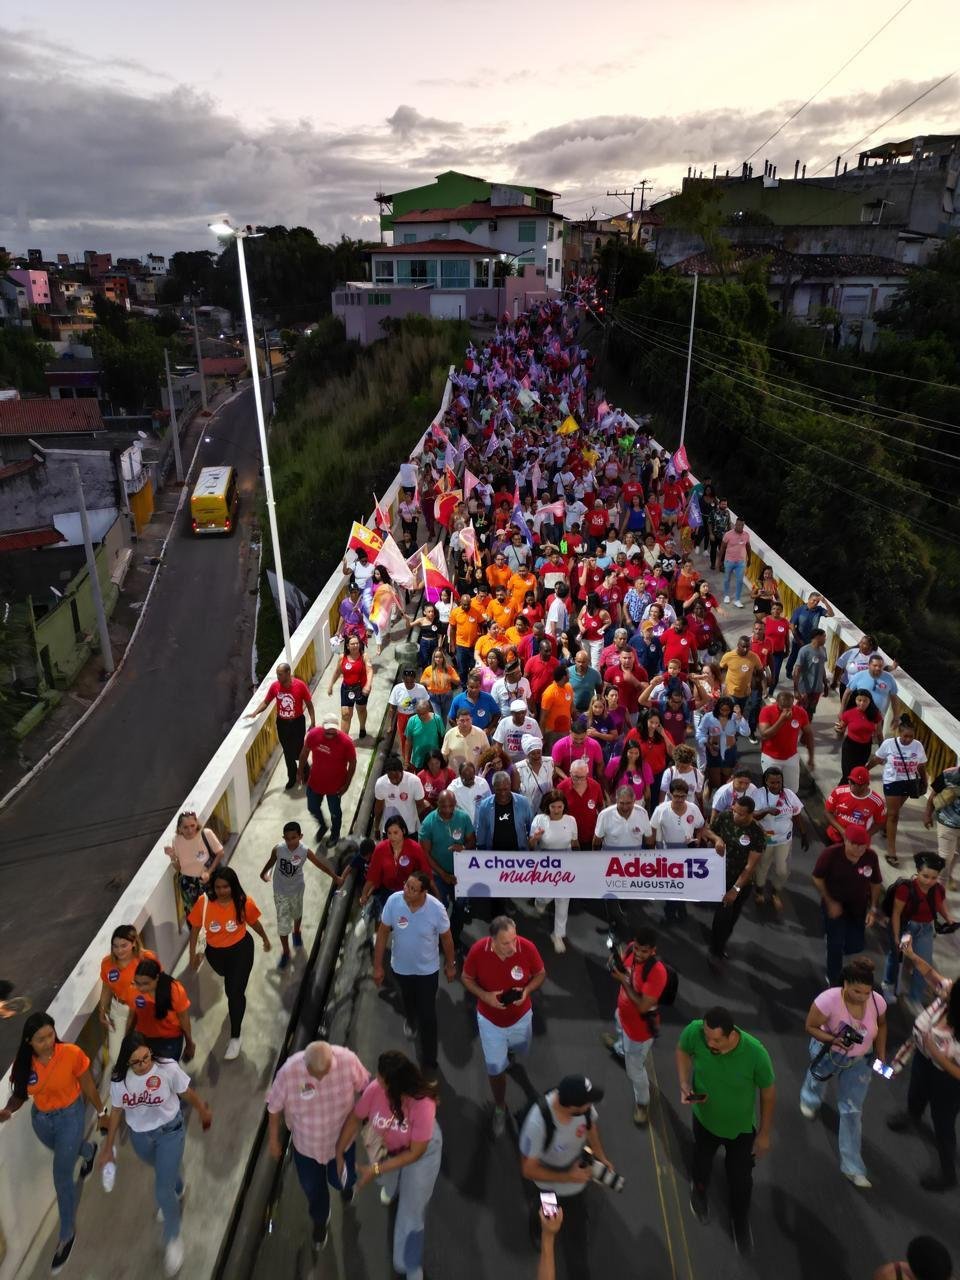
x=743, y=841
x=721, y=1069
x=424, y=732
x=443, y=832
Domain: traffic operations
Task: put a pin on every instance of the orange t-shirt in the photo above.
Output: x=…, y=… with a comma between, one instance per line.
x=222, y=928
x=501, y=614
x=485, y=644
x=120, y=980
x=498, y=576
x=518, y=586
x=466, y=627
x=556, y=705
x=145, y=1012
x=56, y=1084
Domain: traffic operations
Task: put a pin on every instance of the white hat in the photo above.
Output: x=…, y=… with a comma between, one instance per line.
x=330, y=721
x=530, y=742
x=518, y=704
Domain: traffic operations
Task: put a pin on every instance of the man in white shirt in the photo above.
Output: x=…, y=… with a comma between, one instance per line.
x=468, y=788
x=558, y=616
x=511, y=686
x=677, y=823
x=511, y=731
x=623, y=825
x=398, y=792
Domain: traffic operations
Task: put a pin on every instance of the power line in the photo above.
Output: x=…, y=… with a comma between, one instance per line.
x=829, y=82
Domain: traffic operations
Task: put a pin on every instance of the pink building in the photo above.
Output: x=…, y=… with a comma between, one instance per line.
x=36, y=283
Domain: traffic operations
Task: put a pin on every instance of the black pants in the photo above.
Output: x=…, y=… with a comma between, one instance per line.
x=738, y=1161
x=853, y=754
x=795, y=647
x=724, y=919
x=574, y=1242
x=714, y=550
x=233, y=964
x=419, y=994
x=928, y=1084
x=290, y=734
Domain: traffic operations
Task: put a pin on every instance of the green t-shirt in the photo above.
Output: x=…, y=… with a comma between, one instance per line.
x=730, y=1081
x=456, y=830
x=424, y=736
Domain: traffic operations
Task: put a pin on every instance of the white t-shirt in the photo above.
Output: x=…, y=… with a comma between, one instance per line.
x=901, y=762
x=400, y=798
x=556, y=835
x=405, y=700
x=558, y=618
x=693, y=778
x=676, y=828
x=618, y=832
x=535, y=785
x=511, y=735
x=778, y=827
x=150, y=1100
x=723, y=797
x=503, y=693
x=468, y=797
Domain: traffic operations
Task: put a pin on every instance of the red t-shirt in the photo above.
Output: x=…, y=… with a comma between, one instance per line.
x=632, y=489
x=540, y=674
x=354, y=672
x=487, y=970
x=330, y=758
x=635, y=1024
x=762, y=649
x=680, y=645
x=597, y=522
x=849, y=810
x=777, y=633
x=590, y=580
x=290, y=701
x=629, y=693
x=921, y=913
x=584, y=809
x=591, y=627
x=387, y=872
x=859, y=728
x=783, y=744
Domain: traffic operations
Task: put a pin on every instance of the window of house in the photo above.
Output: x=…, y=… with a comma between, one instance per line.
x=481, y=275
x=549, y=230
x=527, y=230
x=383, y=272
x=455, y=275
x=409, y=237
x=549, y=268
x=378, y=299
x=417, y=271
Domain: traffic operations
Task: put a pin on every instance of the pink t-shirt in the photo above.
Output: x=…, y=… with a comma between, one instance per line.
x=418, y=1118
x=830, y=1003
x=735, y=546
x=565, y=752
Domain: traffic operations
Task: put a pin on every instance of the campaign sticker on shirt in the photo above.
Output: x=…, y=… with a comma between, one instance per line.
x=865, y=871
x=113, y=975
x=516, y=973
x=689, y=817
x=231, y=926
x=581, y=1130
x=140, y=1002
x=213, y=927
x=402, y=922
x=403, y=795
x=153, y=1082
x=794, y=724
x=403, y=860
x=308, y=1090
x=456, y=835
x=32, y=1078
x=591, y=804
x=683, y=641
x=744, y=666
x=744, y=840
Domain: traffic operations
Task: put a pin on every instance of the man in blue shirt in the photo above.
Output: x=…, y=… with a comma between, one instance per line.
x=483, y=709
x=417, y=922
x=804, y=620
x=880, y=685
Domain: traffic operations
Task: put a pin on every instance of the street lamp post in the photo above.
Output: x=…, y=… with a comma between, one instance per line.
x=223, y=229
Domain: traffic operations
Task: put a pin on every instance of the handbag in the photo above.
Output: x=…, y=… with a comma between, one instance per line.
x=375, y=1146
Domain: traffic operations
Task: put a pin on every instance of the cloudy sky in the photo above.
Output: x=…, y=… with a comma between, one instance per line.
x=122, y=126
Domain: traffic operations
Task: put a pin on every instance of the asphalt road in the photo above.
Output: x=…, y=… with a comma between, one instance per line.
x=807, y=1219
x=75, y=836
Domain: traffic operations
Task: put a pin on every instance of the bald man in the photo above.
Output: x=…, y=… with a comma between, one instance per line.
x=313, y=1093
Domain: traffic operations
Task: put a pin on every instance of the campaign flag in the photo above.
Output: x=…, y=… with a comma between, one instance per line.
x=381, y=518
x=470, y=482
x=493, y=444
x=517, y=519
x=449, y=478
x=439, y=432
x=468, y=540
x=525, y=382
x=364, y=539
x=694, y=514
x=445, y=504
x=602, y=409
x=433, y=580
x=450, y=457
x=392, y=559
x=679, y=460
x=556, y=509
x=535, y=478
x=567, y=427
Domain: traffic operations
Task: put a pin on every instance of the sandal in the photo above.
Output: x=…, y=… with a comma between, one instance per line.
x=892, y=859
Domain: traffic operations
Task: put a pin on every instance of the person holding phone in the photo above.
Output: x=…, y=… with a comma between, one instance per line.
x=551, y=1220
x=836, y=1053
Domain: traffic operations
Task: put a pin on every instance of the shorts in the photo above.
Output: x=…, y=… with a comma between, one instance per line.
x=496, y=1041
x=352, y=695
x=289, y=910
x=904, y=787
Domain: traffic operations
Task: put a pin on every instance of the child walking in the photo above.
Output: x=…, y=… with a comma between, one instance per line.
x=289, y=858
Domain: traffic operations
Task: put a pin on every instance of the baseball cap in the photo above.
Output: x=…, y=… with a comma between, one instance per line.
x=859, y=775
x=330, y=721
x=857, y=834
x=518, y=704
x=577, y=1091
x=530, y=742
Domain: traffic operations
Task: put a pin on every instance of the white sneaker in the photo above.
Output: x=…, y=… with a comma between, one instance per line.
x=232, y=1050
x=559, y=945
x=173, y=1257
x=726, y=599
x=386, y=1198
x=108, y=1176
x=808, y=1113
x=738, y=604
x=859, y=1180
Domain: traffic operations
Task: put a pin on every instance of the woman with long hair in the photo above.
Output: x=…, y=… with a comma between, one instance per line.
x=384, y=603
x=404, y=1146
x=860, y=727
x=225, y=919
x=904, y=763
x=436, y=775
x=195, y=854
x=433, y=634
x=117, y=970
x=440, y=679
x=553, y=828
x=158, y=1007
x=717, y=736
x=56, y=1077
x=146, y=1090
x=356, y=676
x=627, y=768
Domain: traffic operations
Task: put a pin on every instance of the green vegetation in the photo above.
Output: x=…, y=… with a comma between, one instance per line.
x=22, y=360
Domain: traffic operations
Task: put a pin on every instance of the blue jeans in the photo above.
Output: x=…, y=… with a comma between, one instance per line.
x=415, y=1183
x=465, y=662
x=316, y=1179
x=734, y=570
x=456, y=908
x=853, y=1081
x=845, y=937
x=61, y=1131
x=923, y=935
x=162, y=1149
x=315, y=805
x=635, y=1062
x=441, y=705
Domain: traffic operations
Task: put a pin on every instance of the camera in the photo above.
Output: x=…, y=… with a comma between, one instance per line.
x=848, y=1035
x=602, y=1173
x=614, y=960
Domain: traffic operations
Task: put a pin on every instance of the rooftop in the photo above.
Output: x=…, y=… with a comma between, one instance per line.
x=479, y=209
x=30, y=539
x=437, y=246
x=782, y=263
x=46, y=417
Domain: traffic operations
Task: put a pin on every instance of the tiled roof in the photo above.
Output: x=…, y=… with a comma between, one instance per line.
x=224, y=366
x=17, y=468
x=805, y=265
x=28, y=539
x=480, y=209
x=437, y=246
x=47, y=417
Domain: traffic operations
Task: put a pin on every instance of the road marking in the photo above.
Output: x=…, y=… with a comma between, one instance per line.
x=679, y=1251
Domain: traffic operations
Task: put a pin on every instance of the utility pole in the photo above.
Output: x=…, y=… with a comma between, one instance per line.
x=105, y=650
x=269, y=363
x=203, y=385
x=686, y=385
x=173, y=418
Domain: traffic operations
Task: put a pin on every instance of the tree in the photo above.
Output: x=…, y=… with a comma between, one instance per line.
x=928, y=305
x=132, y=362
x=23, y=360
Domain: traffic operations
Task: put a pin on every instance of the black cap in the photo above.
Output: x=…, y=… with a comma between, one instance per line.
x=577, y=1091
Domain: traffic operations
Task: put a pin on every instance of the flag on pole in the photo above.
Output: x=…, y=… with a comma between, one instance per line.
x=449, y=478
x=433, y=580
x=694, y=514
x=450, y=457
x=679, y=460
x=602, y=410
x=381, y=518
x=517, y=519
x=470, y=482
x=392, y=559
x=364, y=539
x=444, y=506
x=468, y=540
x=535, y=478
x=493, y=444
x=556, y=509
x=568, y=427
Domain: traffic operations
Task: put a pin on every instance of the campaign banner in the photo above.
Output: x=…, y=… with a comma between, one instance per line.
x=689, y=875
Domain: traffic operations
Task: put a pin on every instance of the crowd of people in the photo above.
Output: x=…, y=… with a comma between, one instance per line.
x=570, y=689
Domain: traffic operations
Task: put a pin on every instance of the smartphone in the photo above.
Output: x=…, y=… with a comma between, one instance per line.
x=905, y=938
x=696, y=1097
x=548, y=1203
x=883, y=1068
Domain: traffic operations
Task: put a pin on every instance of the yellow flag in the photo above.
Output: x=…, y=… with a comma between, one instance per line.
x=568, y=427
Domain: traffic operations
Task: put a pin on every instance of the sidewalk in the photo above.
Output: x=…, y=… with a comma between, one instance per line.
x=116, y=1234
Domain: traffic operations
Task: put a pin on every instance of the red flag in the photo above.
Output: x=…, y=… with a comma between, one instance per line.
x=444, y=506
x=381, y=518
x=364, y=539
x=468, y=540
x=433, y=579
x=449, y=478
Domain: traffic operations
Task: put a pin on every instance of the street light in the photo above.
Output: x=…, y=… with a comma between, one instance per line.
x=224, y=230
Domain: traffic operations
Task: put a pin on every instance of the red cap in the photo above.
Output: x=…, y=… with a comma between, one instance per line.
x=857, y=834
x=859, y=775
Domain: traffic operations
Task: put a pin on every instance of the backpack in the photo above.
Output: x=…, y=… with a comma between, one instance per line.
x=912, y=902
x=541, y=1104
x=669, y=993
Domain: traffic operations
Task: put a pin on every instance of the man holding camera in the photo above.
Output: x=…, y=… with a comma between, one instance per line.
x=561, y=1151
x=642, y=977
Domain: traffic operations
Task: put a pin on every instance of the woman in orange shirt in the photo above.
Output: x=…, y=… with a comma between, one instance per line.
x=117, y=970
x=225, y=918
x=55, y=1075
x=158, y=1010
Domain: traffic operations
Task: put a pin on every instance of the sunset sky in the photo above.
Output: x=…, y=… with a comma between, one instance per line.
x=124, y=126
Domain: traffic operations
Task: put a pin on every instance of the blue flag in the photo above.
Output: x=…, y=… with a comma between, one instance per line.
x=517, y=519
x=694, y=516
